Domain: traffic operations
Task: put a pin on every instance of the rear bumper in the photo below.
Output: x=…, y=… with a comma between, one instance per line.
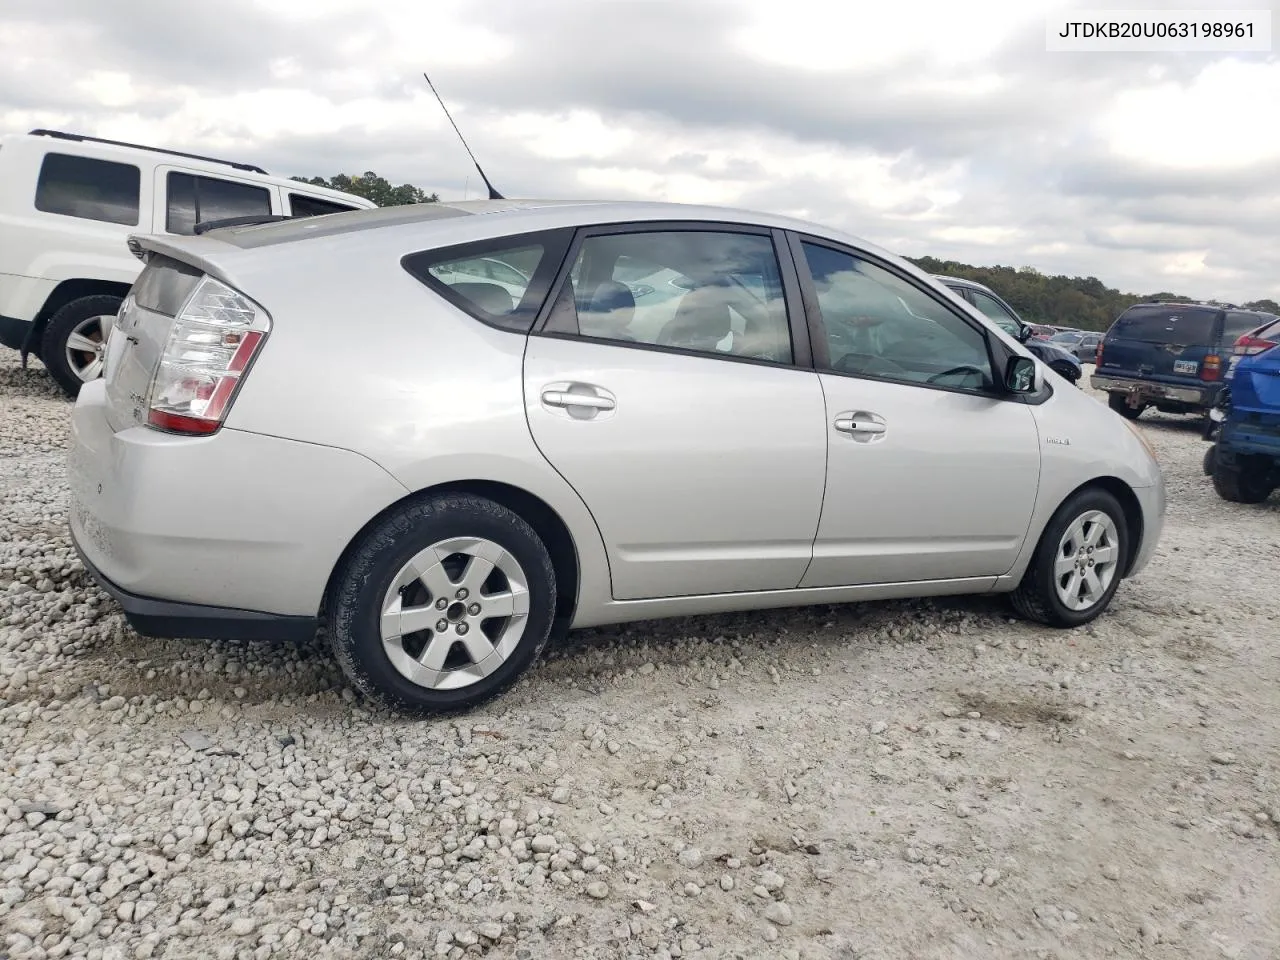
x=1236, y=437
x=1151, y=391
x=164, y=618
x=230, y=535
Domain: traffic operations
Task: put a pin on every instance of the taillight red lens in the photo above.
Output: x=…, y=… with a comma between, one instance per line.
x=1097, y=357
x=214, y=339
x=1211, y=369
x=1247, y=346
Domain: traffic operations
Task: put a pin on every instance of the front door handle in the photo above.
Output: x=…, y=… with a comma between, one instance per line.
x=563, y=398
x=850, y=425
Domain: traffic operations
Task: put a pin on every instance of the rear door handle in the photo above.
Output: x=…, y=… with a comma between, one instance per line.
x=563, y=398
x=850, y=425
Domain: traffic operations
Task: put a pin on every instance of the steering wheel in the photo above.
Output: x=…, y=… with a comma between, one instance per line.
x=963, y=368
x=871, y=364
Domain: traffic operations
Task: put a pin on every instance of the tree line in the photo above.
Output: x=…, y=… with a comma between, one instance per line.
x=1082, y=302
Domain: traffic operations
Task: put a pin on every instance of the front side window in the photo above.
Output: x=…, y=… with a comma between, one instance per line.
x=193, y=200
x=699, y=290
x=879, y=325
x=89, y=189
x=994, y=309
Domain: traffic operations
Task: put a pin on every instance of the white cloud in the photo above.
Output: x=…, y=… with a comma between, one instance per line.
x=928, y=127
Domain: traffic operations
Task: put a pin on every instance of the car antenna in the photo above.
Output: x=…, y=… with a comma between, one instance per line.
x=493, y=194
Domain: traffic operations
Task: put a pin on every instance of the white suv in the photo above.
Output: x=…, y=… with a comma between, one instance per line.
x=68, y=204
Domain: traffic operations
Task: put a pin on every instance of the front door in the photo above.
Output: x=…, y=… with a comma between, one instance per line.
x=663, y=388
x=932, y=474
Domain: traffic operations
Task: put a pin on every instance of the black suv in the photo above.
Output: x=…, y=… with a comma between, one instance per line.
x=1172, y=356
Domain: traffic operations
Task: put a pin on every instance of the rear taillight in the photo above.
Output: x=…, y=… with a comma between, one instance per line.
x=1247, y=346
x=1211, y=369
x=1097, y=357
x=214, y=338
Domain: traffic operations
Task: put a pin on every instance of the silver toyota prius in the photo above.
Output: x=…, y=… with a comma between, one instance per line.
x=448, y=431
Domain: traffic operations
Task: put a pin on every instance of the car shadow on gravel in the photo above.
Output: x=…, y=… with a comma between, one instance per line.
x=30, y=384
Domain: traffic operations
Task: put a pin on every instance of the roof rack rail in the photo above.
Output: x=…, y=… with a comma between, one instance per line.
x=60, y=135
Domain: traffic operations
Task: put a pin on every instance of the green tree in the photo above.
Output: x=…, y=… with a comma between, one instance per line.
x=1266, y=306
x=373, y=187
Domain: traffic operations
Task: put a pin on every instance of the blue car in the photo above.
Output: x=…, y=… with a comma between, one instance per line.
x=1245, y=459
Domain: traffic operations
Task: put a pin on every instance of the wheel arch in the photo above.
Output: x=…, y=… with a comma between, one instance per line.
x=535, y=511
x=64, y=293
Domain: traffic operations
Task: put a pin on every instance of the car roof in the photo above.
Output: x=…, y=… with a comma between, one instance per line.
x=44, y=141
x=502, y=217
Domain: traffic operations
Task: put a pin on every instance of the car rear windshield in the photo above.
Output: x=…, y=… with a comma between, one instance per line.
x=1166, y=323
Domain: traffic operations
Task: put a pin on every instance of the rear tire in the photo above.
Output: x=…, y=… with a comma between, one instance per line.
x=1120, y=404
x=415, y=571
x=77, y=322
x=1209, y=458
x=1245, y=481
x=1046, y=593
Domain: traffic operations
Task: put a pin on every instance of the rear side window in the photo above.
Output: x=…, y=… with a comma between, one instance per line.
x=502, y=282
x=194, y=200
x=89, y=189
x=1238, y=323
x=303, y=206
x=1166, y=323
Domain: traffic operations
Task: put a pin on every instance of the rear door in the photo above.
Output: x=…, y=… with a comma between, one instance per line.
x=664, y=385
x=1163, y=342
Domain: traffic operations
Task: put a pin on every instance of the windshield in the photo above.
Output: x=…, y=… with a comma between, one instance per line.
x=1166, y=323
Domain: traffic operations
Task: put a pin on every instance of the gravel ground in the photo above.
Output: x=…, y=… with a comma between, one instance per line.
x=894, y=780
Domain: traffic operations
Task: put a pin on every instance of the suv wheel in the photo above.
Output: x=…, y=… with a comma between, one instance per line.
x=1247, y=480
x=75, y=339
x=442, y=605
x=1077, y=565
x=1120, y=404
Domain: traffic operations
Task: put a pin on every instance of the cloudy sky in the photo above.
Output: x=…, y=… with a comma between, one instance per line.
x=938, y=128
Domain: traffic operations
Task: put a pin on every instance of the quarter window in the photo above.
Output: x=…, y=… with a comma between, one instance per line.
x=302, y=205
x=194, y=200
x=879, y=325
x=706, y=291
x=89, y=189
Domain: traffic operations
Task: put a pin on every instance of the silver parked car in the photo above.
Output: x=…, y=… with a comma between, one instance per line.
x=660, y=410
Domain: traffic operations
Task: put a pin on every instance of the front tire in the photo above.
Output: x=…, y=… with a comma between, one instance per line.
x=1244, y=481
x=1120, y=404
x=442, y=605
x=75, y=339
x=1078, y=564
x=1068, y=373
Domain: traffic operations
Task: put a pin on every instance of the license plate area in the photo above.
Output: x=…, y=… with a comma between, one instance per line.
x=1186, y=366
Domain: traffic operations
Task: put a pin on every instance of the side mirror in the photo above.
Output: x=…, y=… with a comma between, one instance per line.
x=1021, y=375
x=1024, y=333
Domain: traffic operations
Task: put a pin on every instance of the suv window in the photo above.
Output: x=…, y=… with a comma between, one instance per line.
x=1166, y=323
x=879, y=325
x=88, y=188
x=1238, y=323
x=194, y=200
x=302, y=205
x=704, y=291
